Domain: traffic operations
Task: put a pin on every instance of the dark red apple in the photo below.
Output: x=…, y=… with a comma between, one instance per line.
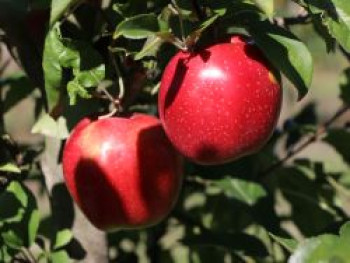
x=219, y=103
x=122, y=172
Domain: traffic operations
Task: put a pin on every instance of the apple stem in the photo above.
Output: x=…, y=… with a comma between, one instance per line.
x=110, y=114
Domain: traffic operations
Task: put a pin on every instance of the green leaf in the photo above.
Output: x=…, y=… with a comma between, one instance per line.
x=324, y=248
x=63, y=238
x=245, y=191
x=33, y=226
x=10, y=168
x=19, y=192
x=11, y=239
x=288, y=243
x=7, y=253
x=53, y=48
x=74, y=90
x=345, y=86
x=47, y=126
x=59, y=7
x=59, y=257
x=267, y=6
x=286, y=53
x=335, y=15
x=81, y=57
x=345, y=231
x=150, y=48
x=137, y=27
x=20, y=220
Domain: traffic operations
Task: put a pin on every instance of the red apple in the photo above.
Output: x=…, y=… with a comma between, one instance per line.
x=122, y=172
x=219, y=103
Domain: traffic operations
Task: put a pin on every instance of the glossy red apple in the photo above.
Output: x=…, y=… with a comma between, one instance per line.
x=219, y=103
x=122, y=172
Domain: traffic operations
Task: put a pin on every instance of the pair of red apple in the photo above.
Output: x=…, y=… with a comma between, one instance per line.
x=215, y=105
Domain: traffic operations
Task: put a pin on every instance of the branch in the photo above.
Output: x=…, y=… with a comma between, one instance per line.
x=313, y=138
x=303, y=18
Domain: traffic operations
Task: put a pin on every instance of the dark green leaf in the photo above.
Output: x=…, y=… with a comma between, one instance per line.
x=19, y=88
x=137, y=27
x=308, y=207
x=323, y=32
x=335, y=15
x=286, y=53
x=20, y=219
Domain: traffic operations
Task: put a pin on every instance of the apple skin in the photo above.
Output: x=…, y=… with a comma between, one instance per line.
x=122, y=172
x=219, y=103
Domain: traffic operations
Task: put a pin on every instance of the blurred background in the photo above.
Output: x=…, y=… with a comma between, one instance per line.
x=21, y=112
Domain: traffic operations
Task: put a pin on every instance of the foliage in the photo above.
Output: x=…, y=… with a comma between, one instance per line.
x=261, y=208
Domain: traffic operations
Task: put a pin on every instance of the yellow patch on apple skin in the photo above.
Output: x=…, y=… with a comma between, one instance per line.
x=272, y=78
x=88, y=143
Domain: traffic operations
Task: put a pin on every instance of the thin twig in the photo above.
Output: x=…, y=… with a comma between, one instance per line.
x=108, y=95
x=315, y=137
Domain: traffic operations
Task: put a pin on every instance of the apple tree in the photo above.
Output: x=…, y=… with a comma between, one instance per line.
x=274, y=185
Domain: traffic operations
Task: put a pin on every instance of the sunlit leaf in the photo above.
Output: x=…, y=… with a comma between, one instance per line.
x=48, y=126
x=245, y=191
x=324, y=248
x=63, y=237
